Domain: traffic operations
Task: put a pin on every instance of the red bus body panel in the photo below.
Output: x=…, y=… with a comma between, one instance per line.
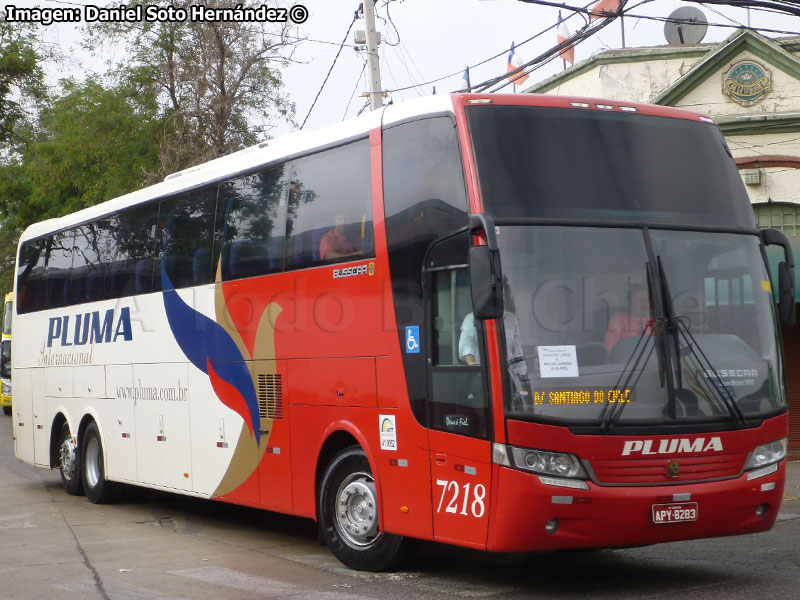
x=336, y=348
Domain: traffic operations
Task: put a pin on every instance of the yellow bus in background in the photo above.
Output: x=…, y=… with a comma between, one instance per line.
x=5, y=354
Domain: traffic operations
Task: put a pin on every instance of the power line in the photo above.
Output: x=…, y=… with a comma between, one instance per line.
x=335, y=58
x=575, y=39
x=358, y=82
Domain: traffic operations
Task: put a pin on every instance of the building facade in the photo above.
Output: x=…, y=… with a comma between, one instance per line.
x=750, y=85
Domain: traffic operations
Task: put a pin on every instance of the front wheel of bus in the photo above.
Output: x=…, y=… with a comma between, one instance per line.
x=348, y=513
x=98, y=490
x=68, y=463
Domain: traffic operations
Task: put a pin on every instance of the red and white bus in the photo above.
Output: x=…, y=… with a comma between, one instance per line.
x=507, y=322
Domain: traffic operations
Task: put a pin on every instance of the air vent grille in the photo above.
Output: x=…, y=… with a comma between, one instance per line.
x=270, y=396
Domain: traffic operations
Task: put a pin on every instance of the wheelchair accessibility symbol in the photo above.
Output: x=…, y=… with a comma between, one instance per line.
x=412, y=339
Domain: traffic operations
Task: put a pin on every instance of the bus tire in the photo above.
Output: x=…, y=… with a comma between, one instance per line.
x=68, y=463
x=6, y=410
x=98, y=489
x=348, y=515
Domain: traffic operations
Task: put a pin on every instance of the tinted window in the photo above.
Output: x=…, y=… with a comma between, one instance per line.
x=186, y=244
x=7, y=317
x=255, y=220
x=425, y=197
x=457, y=402
x=330, y=208
x=586, y=164
x=94, y=248
x=30, y=277
x=57, y=271
x=134, y=249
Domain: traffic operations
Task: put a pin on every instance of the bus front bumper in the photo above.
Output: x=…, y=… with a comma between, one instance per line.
x=531, y=516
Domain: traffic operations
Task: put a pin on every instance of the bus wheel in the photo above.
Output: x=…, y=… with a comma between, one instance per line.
x=68, y=463
x=348, y=513
x=98, y=490
x=6, y=410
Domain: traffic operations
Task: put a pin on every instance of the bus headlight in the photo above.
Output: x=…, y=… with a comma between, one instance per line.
x=6, y=388
x=558, y=464
x=766, y=454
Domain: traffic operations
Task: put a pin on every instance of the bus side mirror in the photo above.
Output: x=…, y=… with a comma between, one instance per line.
x=486, y=283
x=786, y=305
x=786, y=300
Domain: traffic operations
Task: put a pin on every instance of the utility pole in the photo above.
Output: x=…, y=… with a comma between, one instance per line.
x=375, y=90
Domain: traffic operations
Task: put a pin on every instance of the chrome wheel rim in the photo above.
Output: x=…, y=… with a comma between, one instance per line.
x=93, y=462
x=68, y=459
x=357, y=510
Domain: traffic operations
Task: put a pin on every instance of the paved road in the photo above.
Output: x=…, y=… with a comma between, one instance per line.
x=158, y=546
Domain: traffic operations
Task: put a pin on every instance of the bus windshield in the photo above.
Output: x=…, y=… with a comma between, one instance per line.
x=558, y=163
x=611, y=334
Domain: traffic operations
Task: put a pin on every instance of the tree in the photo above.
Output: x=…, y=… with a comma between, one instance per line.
x=93, y=143
x=21, y=78
x=213, y=80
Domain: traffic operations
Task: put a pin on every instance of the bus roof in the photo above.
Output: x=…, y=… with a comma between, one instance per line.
x=302, y=142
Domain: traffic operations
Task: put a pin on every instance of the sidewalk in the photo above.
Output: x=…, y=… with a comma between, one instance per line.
x=791, y=493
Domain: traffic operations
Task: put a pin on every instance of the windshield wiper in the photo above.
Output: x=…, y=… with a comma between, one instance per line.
x=704, y=365
x=677, y=328
x=671, y=328
x=632, y=365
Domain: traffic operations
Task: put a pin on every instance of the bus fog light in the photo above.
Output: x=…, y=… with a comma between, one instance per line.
x=551, y=526
x=762, y=510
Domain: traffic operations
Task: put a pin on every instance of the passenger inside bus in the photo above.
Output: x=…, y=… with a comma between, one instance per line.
x=334, y=244
x=632, y=322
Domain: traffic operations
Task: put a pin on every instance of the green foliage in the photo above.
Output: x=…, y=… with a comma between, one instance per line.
x=21, y=78
x=185, y=93
x=93, y=144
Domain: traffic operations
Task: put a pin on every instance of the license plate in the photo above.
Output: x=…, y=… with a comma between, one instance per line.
x=674, y=513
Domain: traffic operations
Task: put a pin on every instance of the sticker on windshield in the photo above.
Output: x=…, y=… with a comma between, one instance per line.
x=558, y=361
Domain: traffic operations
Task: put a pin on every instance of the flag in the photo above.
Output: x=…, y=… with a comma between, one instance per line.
x=514, y=63
x=465, y=84
x=563, y=34
x=602, y=8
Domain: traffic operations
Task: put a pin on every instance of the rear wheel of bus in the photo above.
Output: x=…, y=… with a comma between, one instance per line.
x=68, y=463
x=98, y=489
x=348, y=515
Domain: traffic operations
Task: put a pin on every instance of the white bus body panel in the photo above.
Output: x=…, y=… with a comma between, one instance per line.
x=157, y=413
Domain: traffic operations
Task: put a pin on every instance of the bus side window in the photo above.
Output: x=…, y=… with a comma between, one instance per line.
x=93, y=250
x=330, y=207
x=186, y=224
x=57, y=271
x=134, y=247
x=255, y=220
x=30, y=278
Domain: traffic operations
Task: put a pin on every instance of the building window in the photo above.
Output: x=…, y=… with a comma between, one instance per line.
x=781, y=216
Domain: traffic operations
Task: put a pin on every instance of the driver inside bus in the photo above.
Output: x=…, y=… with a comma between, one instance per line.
x=468, y=340
x=632, y=322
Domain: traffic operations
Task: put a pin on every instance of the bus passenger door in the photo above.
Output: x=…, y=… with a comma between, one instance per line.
x=458, y=408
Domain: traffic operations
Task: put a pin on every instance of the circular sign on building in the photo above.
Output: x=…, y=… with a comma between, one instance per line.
x=746, y=82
